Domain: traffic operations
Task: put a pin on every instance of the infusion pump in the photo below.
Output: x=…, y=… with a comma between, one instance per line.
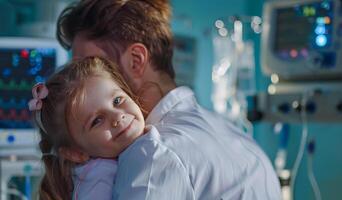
x=301, y=39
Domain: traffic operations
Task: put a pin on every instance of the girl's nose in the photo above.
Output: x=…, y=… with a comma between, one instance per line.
x=117, y=121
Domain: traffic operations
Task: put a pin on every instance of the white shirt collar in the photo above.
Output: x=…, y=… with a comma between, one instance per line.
x=170, y=100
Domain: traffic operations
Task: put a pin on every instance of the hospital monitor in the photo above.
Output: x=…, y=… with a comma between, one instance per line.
x=23, y=62
x=301, y=39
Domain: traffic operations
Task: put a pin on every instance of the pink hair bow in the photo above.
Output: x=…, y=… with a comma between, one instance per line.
x=39, y=92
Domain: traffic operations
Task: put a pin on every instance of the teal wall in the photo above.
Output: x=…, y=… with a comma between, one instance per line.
x=195, y=18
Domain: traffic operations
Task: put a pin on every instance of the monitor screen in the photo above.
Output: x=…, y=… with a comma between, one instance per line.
x=20, y=69
x=303, y=27
x=23, y=63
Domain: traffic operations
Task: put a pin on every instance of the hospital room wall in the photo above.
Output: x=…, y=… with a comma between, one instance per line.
x=195, y=18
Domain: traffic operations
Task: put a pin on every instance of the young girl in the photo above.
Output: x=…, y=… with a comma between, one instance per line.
x=85, y=112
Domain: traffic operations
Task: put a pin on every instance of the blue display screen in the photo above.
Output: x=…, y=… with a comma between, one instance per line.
x=20, y=69
x=302, y=28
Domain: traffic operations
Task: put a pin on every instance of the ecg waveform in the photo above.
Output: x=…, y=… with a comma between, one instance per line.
x=13, y=85
x=13, y=118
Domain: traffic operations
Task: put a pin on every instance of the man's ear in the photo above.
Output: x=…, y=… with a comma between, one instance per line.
x=139, y=56
x=73, y=154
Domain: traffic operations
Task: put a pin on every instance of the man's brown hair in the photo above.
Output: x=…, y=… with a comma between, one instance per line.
x=121, y=23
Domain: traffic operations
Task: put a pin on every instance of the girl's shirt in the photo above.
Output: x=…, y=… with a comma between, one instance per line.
x=94, y=179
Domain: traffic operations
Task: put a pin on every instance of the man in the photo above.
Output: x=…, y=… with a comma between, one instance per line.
x=198, y=155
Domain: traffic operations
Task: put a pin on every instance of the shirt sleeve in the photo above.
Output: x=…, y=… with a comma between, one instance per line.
x=152, y=172
x=95, y=180
x=99, y=190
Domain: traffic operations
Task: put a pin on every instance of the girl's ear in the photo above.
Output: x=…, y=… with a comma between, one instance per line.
x=73, y=154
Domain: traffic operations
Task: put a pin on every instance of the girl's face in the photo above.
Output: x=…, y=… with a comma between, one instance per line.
x=107, y=121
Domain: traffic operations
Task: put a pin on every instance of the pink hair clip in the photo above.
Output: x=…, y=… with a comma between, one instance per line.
x=39, y=92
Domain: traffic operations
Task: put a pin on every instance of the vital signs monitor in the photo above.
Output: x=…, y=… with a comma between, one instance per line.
x=23, y=62
x=301, y=39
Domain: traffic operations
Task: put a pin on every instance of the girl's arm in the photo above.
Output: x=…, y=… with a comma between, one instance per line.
x=152, y=172
x=95, y=180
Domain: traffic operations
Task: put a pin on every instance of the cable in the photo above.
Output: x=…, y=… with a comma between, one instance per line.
x=313, y=182
x=302, y=143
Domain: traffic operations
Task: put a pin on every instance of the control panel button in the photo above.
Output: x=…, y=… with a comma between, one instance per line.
x=339, y=107
x=310, y=107
x=284, y=108
x=296, y=106
x=10, y=139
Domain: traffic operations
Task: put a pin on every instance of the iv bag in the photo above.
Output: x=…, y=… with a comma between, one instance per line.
x=233, y=76
x=246, y=70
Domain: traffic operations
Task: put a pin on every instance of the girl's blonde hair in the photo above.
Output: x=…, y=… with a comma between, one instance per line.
x=65, y=94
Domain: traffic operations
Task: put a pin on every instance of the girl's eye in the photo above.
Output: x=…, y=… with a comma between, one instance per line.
x=117, y=101
x=96, y=121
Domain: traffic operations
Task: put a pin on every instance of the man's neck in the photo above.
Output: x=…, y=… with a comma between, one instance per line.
x=154, y=90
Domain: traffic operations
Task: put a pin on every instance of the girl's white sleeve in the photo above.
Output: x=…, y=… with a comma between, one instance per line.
x=152, y=171
x=95, y=180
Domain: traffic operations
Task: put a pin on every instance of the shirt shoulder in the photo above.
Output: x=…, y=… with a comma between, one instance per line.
x=94, y=179
x=148, y=170
x=95, y=168
x=147, y=147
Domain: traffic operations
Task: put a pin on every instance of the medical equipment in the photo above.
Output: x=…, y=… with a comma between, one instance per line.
x=282, y=102
x=11, y=171
x=301, y=39
x=284, y=174
x=312, y=178
x=233, y=72
x=23, y=62
x=301, y=52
